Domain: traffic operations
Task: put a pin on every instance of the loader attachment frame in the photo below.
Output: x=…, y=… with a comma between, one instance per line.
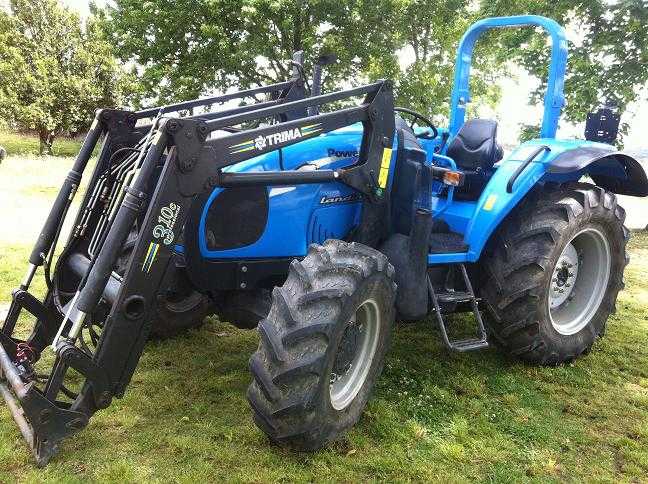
x=171, y=161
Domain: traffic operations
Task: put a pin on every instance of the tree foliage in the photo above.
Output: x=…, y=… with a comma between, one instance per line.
x=188, y=47
x=184, y=48
x=608, y=50
x=54, y=72
x=429, y=31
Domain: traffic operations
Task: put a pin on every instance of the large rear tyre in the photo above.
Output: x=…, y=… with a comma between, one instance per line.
x=553, y=272
x=322, y=345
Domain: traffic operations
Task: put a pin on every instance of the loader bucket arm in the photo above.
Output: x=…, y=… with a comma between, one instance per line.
x=171, y=161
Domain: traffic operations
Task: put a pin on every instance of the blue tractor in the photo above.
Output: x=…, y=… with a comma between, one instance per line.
x=321, y=227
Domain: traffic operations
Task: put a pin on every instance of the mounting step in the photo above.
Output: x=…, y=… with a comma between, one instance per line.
x=451, y=296
x=455, y=297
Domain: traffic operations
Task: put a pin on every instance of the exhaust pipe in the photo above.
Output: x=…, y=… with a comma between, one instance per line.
x=318, y=68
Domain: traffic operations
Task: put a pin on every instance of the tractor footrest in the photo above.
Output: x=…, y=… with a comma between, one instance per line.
x=469, y=344
x=447, y=243
x=455, y=297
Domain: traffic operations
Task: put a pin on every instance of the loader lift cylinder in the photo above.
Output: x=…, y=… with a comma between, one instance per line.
x=63, y=199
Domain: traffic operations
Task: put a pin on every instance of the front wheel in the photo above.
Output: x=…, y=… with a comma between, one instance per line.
x=322, y=344
x=553, y=271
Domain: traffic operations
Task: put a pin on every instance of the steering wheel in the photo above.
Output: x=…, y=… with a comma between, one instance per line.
x=415, y=116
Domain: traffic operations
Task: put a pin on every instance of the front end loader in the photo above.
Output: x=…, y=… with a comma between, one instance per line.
x=321, y=227
x=96, y=321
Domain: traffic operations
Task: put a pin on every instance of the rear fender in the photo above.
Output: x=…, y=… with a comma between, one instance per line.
x=567, y=160
x=610, y=169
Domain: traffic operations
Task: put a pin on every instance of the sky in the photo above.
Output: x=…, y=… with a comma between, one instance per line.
x=514, y=100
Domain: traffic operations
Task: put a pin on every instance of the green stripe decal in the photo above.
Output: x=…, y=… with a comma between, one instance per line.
x=242, y=150
x=151, y=253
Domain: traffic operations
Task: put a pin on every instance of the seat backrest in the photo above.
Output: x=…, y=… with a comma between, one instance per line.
x=475, y=145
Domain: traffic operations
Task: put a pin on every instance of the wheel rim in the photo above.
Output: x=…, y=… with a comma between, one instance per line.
x=355, y=355
x=579, y=281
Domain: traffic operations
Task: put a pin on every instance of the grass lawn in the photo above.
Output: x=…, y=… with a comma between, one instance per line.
x=18, y=144
x=434, y=416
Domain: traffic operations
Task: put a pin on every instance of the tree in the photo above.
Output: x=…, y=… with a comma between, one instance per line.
x=186, y=48
x=608, y=56
x=53, y=72
x=428, y=32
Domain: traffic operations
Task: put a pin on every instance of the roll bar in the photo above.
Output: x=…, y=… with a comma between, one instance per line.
x=554, y=98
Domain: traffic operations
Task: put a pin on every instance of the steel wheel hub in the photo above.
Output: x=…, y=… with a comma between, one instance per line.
x=564, y=276
x=579, y=281
x=355, y=355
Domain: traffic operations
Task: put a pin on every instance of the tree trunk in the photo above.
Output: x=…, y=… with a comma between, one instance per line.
x=46, y=141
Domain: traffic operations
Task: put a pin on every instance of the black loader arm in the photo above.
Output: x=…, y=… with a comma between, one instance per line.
x=150, y=189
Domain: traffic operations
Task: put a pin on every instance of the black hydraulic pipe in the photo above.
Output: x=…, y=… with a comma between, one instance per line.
x=79, y=264
x=276, y=178
x=130, y=207
x=71, y=183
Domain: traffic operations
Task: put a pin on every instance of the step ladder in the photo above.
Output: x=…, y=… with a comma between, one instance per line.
x=449, y=295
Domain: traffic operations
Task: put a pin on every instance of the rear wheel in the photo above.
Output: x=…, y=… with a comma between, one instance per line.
x=322, y=345
x=553, y=273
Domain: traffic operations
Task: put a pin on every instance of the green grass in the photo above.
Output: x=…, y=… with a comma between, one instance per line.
x=434, y=416
x=18, y=144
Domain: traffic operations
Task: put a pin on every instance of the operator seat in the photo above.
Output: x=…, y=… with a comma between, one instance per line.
x=475, y=150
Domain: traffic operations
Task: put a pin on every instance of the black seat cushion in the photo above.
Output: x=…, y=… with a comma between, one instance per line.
x=475, y=150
